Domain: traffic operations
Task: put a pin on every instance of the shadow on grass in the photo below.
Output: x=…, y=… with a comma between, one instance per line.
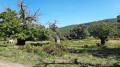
x=79, y=64
x=38, y=44
x=3, y=45
x=101, y=52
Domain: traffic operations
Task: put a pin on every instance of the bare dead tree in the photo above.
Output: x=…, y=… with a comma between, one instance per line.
x=26, y=16
x=53, y=27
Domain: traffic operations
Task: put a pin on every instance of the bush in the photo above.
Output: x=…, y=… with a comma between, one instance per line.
x=34, y=49
x=55, y=49
x=79, y=32
x=46, y=50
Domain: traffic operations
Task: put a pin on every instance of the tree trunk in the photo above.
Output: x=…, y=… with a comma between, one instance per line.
x=57, y=40
x=103, y=41
x=75, y=61
x=20, y=42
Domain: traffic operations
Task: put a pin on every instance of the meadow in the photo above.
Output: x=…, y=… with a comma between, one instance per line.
x=79, y=53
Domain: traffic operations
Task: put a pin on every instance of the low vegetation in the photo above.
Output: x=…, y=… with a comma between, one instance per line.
x=85, y=52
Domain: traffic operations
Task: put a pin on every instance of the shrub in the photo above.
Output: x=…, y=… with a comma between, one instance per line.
x=34, y=49
x=29, y=48
x=56, y=49
x=48, y=50
x=79, y=32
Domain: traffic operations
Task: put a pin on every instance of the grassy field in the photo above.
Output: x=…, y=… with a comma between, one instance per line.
x=85, y=52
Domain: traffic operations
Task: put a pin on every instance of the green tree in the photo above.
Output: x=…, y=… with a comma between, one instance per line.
x=9, y=24
x=102, y=31
x=118, y=18
x=11, y=27
x=40, y=33
x=79, y=32
x=118, y=26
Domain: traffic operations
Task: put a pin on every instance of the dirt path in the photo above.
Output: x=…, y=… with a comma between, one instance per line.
x=11, y=64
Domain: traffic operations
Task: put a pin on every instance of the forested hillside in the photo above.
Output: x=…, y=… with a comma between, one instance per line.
x=70, y=27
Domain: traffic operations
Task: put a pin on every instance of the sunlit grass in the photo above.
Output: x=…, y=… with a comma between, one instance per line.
x=86, y=56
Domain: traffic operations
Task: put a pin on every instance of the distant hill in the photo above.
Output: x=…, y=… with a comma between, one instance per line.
x=70, y=27
x=67, y=28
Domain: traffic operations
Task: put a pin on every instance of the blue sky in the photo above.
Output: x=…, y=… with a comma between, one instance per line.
x=69, y=12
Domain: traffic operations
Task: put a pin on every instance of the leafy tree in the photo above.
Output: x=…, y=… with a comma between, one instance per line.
x=40, y=33
x=118, y=18
x=79, y=32
x=116, y=33
x=9, y=24
x=102, y=31
x=11, y=27
x=118, y=27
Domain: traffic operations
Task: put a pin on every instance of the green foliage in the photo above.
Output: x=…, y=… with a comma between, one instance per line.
x=116, y=33
x=46, y=49
x=79, y=32
x=55, y=33
x=118, y=18
x=55, y=49
x=34, y=49
x=52, y=35
x=40, y=33
x=29, y=48
x=11, y=27
x=35, y=34
x=102, y=30
x=61, y=36
x=118, y=30
x=9, y=24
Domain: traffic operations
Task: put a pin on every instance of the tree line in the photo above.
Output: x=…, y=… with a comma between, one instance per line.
x=100, y=30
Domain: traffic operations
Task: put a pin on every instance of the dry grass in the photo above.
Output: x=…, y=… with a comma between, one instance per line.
x=114, y=41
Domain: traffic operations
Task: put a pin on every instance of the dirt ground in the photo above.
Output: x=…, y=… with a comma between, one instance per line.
x=11, y=64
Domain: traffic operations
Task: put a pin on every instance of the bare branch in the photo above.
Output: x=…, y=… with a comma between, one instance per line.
x=36, y=12
x=29, y=13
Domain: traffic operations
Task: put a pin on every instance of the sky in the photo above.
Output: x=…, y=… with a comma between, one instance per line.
x=68, y=12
